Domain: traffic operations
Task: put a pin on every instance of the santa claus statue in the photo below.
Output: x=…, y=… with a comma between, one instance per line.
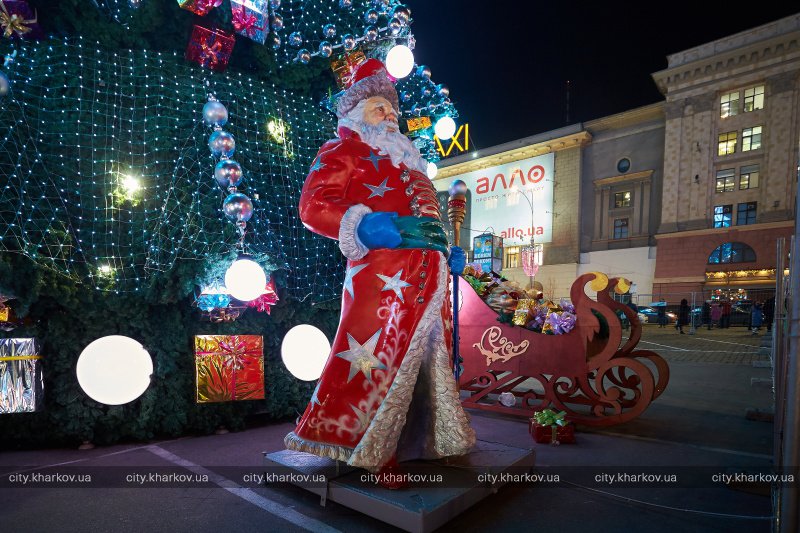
x=387, y=392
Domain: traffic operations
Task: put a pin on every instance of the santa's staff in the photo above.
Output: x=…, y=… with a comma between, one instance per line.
x=456, y=212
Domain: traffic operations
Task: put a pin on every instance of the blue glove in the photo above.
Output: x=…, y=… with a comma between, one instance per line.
x=377, y=230
x=457, y=260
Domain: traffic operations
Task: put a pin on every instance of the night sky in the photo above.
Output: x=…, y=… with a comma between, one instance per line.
x=507, y=62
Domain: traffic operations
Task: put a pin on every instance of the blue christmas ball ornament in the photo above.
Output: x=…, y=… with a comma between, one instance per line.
x=371, y=16
x=346, y=4
x=221, y=144
x=276, y=22
x=275, y=4
x=425, y=92
x=304, y=56
x=215, y=113
x=405, y=96
x=329, y=31
x=371, y=34
x=394, y=26
x=424, y=72
x=325, y=49
x=402, y=14
x=275, y=40
x=295, y=39
x=349, y=42
x=228, y=173
x=5, y=84
x=442, y=90
x=238, y=207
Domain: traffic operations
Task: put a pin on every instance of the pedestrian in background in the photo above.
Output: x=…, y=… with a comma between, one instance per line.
x=705, y=314
x=769, y=312
x=662, y=315
x=725, y=319
x=716, y=314
x=683, y=316
x=756, y=318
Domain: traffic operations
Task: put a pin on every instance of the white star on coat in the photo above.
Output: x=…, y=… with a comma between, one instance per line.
x=363, y=418
x=394, y=284
x=375, y=158
x=378, y=190
x=348, y=278
x=361, y=357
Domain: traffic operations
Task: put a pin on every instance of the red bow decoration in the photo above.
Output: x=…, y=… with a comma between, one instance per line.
x=245, y=21
x=269, y=298
x=208, y=53
x=235, y=351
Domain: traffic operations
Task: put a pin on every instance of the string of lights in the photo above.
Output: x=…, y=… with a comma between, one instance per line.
x=108, y=177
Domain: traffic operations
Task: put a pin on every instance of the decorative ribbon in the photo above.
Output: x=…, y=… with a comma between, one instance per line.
x=12, y=23
x=245, y=21
x=235, y=351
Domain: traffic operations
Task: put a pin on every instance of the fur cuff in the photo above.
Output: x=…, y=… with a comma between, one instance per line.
x=349, y=244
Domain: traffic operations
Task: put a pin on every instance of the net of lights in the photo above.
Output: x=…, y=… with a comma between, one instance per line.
x=107, y=178
x=302, y=31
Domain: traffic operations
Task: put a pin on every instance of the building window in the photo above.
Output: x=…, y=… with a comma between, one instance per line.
x=748, y=177
x=751, y=138
x=623, y=165
x=621, y=228
x=754, y=98
x=512, y=257
x=746, y=213
x=723, y=216
x=729, y=105
x=732, y=252
x=726, y=180
x=622, y=199
x=727, y=143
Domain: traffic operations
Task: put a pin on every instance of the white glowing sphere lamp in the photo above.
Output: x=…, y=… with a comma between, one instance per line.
x=114, y=370
x=400, y=61
x=445, y=128
x=245, y=279
x=432, y=170
x=304, y=351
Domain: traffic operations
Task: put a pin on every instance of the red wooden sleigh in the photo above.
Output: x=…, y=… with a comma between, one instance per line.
x=597, y=380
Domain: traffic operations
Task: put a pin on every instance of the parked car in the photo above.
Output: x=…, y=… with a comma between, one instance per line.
x=649, y=315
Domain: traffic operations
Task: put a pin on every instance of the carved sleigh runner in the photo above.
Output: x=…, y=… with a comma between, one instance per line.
x=595, y=378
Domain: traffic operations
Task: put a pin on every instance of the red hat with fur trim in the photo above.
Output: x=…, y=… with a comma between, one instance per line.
x=370, y=79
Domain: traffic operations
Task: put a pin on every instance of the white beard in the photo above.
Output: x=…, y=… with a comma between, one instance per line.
x=386, y=138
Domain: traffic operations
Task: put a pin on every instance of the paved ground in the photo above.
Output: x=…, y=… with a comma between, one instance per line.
x=696, y=426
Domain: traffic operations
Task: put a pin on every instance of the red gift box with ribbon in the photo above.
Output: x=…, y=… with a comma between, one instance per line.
x=229, y=367
x=210, y=48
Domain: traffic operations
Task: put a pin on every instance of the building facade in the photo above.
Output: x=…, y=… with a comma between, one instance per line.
x=621, y=195
x=731, y=161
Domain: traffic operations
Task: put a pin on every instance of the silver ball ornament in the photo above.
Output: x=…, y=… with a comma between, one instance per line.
x=276, y=22
x=221, y=144
x=228, y=173
x=371, y=16
x=349, y=42
x=329, y=31
x=424, y=72
x=402, y=13
x=5, y=84
x=238, y=207
x=394, y=26
x=325, y=49
x=371, y=34
x=457, y=187
x=304, y=56
x=295, y=39
x=215, y=113
x=425, y=92
x=346, y=4
x=442, y=90
x=275, y=40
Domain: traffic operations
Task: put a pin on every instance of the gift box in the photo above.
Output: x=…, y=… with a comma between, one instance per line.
x=229, y=367
x=345, y=66
x=198, y=7
x=210, y=48
x=19, y=21
x=250, y=19
x=21, y=382
x=549, y=427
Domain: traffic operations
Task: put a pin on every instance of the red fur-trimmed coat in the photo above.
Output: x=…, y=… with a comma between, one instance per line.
x=395, y=330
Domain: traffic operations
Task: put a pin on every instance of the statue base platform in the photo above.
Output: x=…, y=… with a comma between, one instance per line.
x=438, y=490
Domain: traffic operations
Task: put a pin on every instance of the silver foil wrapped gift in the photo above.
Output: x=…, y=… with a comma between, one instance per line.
x=21, y=382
